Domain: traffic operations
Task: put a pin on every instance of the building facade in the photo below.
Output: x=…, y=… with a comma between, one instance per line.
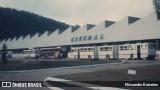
x=127, y=30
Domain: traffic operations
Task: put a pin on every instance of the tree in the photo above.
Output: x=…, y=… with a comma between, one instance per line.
x=4, y=52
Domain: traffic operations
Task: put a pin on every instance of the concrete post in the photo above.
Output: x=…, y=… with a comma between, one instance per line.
x=157, y=44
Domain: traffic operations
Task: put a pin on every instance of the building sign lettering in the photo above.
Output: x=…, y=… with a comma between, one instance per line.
x=87, y=38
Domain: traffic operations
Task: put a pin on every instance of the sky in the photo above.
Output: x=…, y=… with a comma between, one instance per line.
x=83, y=12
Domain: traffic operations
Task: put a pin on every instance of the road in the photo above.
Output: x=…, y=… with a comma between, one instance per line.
x=40, y=75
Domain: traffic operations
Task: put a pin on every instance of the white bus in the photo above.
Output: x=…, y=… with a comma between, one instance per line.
x=31, y=53
x=84, y=52
x=89, y=52
x=74, y=52
x=125, y=51
x=108, y=52
x=105, y=50
x=137, y=51
x=95, y=52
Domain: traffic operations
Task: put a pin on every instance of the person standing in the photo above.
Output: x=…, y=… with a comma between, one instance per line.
x=132, y=56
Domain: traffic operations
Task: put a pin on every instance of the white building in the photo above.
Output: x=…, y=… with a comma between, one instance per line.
x=127, y=30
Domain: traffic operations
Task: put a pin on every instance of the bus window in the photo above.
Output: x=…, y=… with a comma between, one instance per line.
x=130, y=47
x=121, y=48
x=82, y=50
x=154, y=46
x=106, y=48
x=101, y=48
x=143, y=46
x=37, y=51
x=126, y=48
x=85, y=50
x=90, y=49
x=110, y=48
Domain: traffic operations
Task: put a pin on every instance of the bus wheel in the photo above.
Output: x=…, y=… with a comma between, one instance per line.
x=89, y=57
x=107, y=57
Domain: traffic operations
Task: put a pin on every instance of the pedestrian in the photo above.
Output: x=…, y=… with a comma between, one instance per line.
x=132, y=56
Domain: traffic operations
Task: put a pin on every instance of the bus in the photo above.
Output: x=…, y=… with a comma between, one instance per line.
x=108, y=52
x=31, y=53
x=94, y=52
x=74, y=52
x=50, y=53
x=123, y=51
x=88, y=52
x=84, y=52
x=137, y=51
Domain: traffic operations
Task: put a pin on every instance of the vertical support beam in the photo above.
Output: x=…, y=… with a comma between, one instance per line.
x=157, y=44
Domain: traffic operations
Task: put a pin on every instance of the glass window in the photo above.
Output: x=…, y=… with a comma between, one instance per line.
x=121, y=48
x=126, y=48
x=82, y=50
x=90, y=49
x=110, y=48
x=129, y=47
x=101, y=48
x=85, y=50
x=106, y=48
x=80, y=38
x=144, y=46
x=90, y=37
x=154, y=46
x=84, y=38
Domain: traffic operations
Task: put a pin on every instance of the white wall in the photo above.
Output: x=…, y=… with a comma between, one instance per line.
x=64, y=37
x=145, y=28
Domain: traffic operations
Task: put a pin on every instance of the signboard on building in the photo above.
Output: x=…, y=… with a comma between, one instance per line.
x=87, y=38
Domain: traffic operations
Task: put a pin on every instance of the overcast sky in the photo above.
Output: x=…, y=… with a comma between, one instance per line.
x=82, y=12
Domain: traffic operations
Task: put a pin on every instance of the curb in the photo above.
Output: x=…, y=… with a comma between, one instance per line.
x=83, y=66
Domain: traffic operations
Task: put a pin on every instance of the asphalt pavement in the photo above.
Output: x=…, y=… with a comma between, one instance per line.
x=41, y=75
